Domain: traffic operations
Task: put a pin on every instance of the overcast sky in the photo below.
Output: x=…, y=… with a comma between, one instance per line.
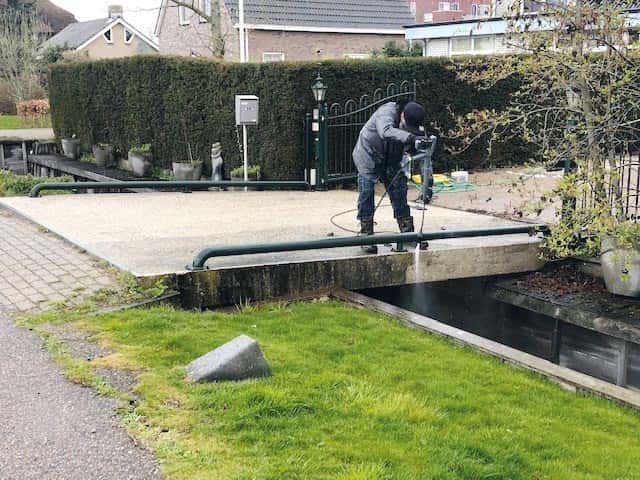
x=141, y=14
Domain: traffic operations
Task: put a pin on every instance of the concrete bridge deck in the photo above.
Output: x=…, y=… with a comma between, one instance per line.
x=158, y=234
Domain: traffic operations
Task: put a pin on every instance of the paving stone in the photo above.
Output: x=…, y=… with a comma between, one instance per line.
x=37, y=269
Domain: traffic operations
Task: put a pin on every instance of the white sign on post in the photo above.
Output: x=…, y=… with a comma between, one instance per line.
x=247, y=113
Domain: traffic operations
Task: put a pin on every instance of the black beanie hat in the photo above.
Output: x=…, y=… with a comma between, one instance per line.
x=414, y=115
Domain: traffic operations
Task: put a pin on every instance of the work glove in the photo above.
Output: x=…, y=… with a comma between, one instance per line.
x=422, y=143
x=417, y=144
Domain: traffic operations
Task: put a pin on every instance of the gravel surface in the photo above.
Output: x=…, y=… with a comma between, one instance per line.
x=54, y=429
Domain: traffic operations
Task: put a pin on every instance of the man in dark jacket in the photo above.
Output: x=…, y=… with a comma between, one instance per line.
x=390, y=132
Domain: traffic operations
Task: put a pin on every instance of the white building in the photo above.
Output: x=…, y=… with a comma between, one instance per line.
x=482, y=37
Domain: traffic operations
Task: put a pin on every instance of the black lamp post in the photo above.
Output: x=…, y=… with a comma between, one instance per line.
x=319, y=90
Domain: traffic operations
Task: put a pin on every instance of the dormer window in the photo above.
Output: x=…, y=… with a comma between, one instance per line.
x=128, y=36
x=108, y=36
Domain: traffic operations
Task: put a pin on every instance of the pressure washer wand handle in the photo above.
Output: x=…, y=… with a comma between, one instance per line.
x=427, y=170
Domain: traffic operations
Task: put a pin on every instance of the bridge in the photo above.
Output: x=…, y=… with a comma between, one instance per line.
x=157, y=235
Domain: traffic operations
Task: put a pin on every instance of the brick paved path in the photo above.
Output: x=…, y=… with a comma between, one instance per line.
x=51, y=428
x=37, y=268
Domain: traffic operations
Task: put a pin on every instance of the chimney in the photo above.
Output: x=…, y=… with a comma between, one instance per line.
x=115, y=11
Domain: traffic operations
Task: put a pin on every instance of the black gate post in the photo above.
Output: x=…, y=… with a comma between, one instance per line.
x=322, y=150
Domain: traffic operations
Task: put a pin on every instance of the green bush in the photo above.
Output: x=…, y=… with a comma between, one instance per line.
x=12, y=184
x=146, y=99
x=252, y=171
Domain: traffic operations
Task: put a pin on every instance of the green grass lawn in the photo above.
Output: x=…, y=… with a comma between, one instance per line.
x=356, y=396
x=12, y=122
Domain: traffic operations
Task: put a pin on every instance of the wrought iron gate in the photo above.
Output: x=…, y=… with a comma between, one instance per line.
x=331, y=133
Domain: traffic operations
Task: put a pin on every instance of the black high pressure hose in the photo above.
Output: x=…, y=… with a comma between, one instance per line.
x=386, y=192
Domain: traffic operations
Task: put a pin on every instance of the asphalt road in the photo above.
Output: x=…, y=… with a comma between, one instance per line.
x=51, y=428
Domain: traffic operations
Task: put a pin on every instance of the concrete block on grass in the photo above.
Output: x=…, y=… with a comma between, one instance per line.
x=239, y=359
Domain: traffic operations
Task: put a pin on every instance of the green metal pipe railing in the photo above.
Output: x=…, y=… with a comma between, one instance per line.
x=201, y=258
x=165, y=185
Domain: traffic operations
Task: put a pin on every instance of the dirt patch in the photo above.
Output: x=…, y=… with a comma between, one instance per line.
x=80, y=345
x=565, y=284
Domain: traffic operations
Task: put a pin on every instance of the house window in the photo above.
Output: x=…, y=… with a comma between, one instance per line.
x=205, y=7
x=484, y=10
x=472, y=45
x=268, y=57
x=108, y=36
x=474, y=10
x=128, y=36
x=455, y=7
x=428, y=17
x=483, y=44
x=357, y=56
x=444, y=6
x=183, y=14
x=413, y=8
x=461, y=45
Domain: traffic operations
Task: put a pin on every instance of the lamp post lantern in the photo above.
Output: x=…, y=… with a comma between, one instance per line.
x=319, y=177
x=319, y=89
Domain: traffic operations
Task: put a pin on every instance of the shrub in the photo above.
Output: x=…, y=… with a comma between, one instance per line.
x=252, y=171
x=144, y=99
x=33, y=108
x=144, y=149
x=12, y=184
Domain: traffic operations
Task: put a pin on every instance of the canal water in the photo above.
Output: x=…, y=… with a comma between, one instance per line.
x=468, y=305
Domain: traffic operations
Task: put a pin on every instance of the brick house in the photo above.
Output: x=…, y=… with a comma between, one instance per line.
x=426, y=11
x=284, y=30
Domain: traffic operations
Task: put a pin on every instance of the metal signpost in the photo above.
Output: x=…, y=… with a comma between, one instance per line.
x=247, y=109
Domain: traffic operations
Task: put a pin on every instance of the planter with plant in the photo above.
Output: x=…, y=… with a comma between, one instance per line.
x=71, y=147
x=254, y=174
x=620, y=258
x=140, y=160
x=191, y=170
x=103, y=153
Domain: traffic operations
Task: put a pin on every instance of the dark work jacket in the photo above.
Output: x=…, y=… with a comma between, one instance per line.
x=381, y=141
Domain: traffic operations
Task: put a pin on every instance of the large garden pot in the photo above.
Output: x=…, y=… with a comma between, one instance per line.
x=71, y=147
x=253, y=177
x=187, y=171
x=140, y=164
x=103, y=155
x=621, y=268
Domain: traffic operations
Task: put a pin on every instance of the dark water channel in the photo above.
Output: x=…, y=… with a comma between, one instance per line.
x=468, y=305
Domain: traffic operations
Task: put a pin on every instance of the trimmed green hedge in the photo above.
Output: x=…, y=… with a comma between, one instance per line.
x=146, y=99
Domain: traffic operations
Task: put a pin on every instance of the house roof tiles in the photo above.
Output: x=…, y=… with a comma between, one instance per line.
x=339, y=14
x=77, y=33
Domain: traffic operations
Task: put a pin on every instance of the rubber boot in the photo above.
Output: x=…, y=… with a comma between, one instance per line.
x=366, y=228
x=406, y=224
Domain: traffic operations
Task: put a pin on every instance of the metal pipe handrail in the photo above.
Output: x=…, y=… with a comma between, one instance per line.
x=173, y=185
x=201, y=258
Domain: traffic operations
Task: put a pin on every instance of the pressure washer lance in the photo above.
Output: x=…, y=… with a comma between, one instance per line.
x=424, y=148
x=424, y=154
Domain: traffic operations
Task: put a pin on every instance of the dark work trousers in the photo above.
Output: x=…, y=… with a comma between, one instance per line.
x=397, y=191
